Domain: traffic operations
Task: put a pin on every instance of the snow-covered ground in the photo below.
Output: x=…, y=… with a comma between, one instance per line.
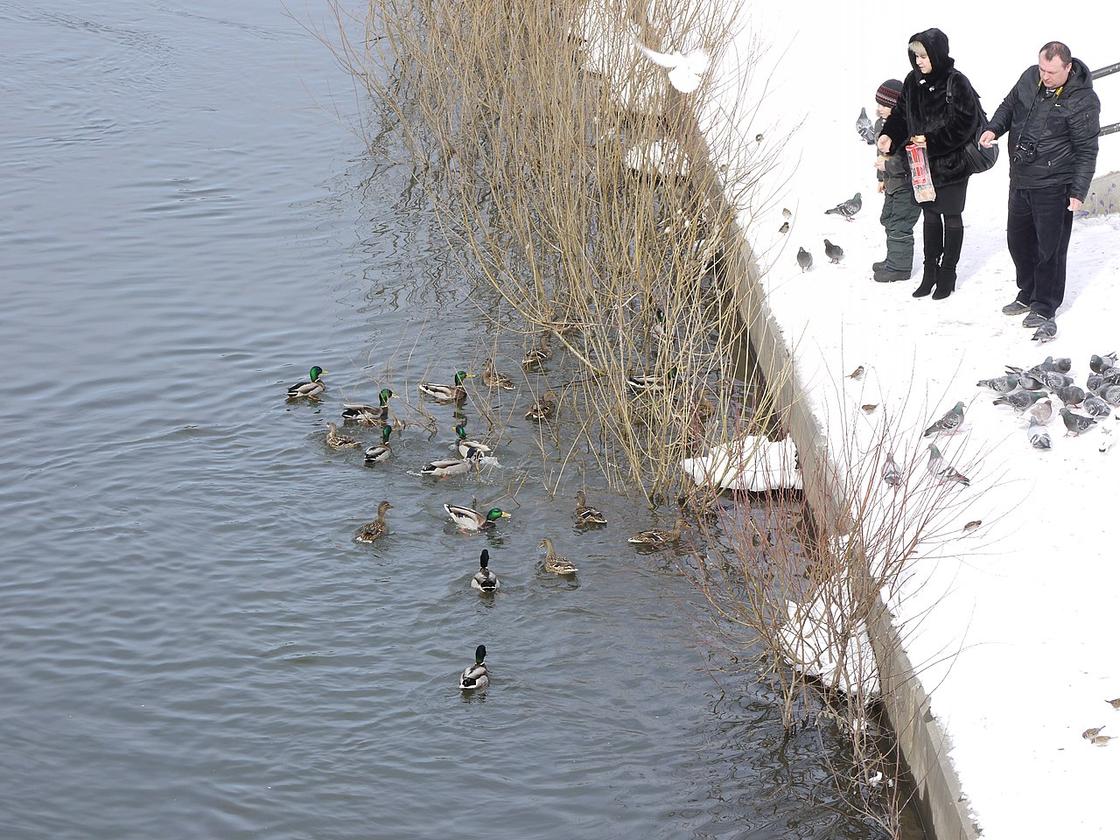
x=1031, y=598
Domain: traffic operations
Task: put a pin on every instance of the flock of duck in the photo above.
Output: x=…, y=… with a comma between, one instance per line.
x=471, y=453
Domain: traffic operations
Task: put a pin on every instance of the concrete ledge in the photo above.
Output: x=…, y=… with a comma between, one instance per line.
x=923, y=744
x=943, y=808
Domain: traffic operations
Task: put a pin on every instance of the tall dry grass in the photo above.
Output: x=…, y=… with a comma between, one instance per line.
x=573, y=181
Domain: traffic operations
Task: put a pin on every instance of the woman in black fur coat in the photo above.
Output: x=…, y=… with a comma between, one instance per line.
x=939, y=106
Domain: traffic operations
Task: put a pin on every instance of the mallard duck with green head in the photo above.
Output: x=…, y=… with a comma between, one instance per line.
x=467, y=447
x=337, y=440
x=485, y=580
x=446, y=393
x=491, y=378
x=544, y=408
x=380, y=451
x=475, y=677
x=469, y=519
x=310, y=388
x=554, y=563
x=370, y=414
x=371, y=531
x=585, y=514
x=659, y=537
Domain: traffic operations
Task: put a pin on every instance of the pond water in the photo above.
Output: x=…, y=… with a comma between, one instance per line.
x=194, y=646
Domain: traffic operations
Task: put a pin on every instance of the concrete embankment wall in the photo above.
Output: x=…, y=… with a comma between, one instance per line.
x=923, y=744
x=921, y=740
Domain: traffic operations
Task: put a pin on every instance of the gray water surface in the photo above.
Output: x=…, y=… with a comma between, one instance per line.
x=193, y=645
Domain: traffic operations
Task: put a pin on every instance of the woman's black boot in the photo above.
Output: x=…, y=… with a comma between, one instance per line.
x=929, y=280
x=932, y=234
x=946, y=283
x=947, y=273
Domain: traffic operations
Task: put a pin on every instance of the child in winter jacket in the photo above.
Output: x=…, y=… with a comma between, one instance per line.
x=900, y=211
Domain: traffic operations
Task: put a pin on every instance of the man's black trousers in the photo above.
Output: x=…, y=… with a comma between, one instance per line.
x=1039, y=223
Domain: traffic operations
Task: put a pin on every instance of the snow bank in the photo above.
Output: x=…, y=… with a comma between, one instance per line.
x=1012, y=622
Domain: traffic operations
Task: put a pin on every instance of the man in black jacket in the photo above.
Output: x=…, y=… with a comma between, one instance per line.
x=1053, y=117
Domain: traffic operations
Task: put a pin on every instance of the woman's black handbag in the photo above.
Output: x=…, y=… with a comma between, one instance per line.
x=981, y=159
x=978, y=158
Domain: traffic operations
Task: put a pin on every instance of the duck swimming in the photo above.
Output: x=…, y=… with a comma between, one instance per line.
x=371, y=414
x=371, y=531
x=446, y=393
x=475, y=677
x=485, y=580
x=380, y=451
x=310, y=388
x=585, y=514
x=471, y=520
x=554, y=563
x=337, y=440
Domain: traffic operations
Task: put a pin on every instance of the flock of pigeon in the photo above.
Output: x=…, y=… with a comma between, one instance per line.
x=472, y=453
x=1028, y=391
x=845, y=209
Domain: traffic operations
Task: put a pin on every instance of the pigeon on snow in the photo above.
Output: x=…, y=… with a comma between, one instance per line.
x=1020, y=400
x=1028, y=380
x=939, y=468
x=848, y=208
x=1054, y=380
x=1096, y=407
x=1039, y=437
x=1061, y=365
x=1111, y=395
x=1041, y=412
x=1094, y=381
x=804, y=259
x=1076, y=423
x=865, y=127
x=892, y=475
x=1000, y=384
x=949, y=422
x=1047, y=331
x=1071, y=395
x=834, y=252
x=1099, y=364
x=684, y=69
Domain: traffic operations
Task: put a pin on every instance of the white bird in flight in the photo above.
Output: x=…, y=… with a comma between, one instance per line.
x=684, y=69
